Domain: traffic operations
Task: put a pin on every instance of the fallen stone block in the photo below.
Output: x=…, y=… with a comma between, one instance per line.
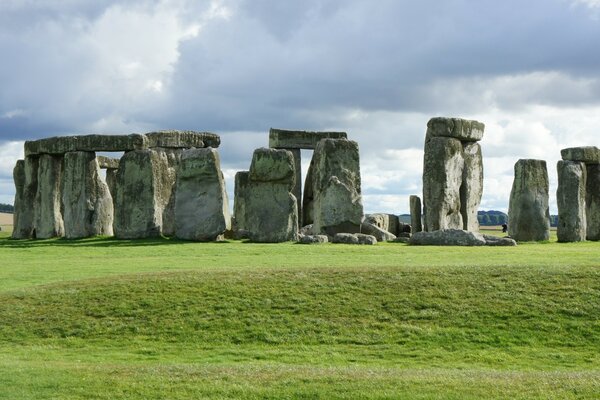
x=447, y=237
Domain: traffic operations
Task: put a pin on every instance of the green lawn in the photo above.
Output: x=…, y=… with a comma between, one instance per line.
x=103, y=319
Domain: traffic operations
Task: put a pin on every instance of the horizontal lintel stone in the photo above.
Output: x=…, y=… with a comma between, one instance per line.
x=586, y=154
x=286, y=139
x=64, y=144
x=457, y=128
x=183, y=139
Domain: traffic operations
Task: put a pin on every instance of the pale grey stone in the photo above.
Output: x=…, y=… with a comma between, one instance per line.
x=297, y=190
x=448, y=237
x=380, y=234
x=306, y=230
x=491, y=240
x=387, y=222
x=528, y=212
x=87, y=203
x=586, y=154
x=64, y=144
x=457, y=128
x=201, y=207
x=24, y=218
x=337, y=205
x=415, y=213
x=471, y=189
x=48, y=200
x=570, y=199
x=366, y=239
x=239, y=201
x=273, y=165
x=442, y=178
x=286, y=139
x=182, y=139
x=592, y=202
x=143, y=191
x=313, y=239
x=345, y=238
x=107, y=162
x=169, y=179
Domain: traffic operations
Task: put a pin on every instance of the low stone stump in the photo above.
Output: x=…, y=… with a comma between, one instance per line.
x=313, y=239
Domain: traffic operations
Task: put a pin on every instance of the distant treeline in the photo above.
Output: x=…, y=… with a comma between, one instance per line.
x=6, y=208
x=493, y=218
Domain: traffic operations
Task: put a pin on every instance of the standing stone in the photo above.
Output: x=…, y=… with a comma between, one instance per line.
x=570, y=199
x=337, y=206
x=87, y=203
x=415, y=214
x=239, y=200
x=201, y=206
x=24, y=223
x=592, y=202
x=471, y=189
x=142, y=194
x=308, y=197
x=271, y=210
x=528, y=212
x=48, y=200
x=173, y=157
x=442, y=178
x=297, y=191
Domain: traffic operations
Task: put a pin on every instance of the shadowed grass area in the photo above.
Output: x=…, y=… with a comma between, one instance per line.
x=100, y=318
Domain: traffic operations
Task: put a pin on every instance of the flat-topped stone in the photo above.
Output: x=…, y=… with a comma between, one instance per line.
x=107, y=162
x=63, y=144
x=586, y=154
x=182, y=139
x=287, y=139
x=457, y=128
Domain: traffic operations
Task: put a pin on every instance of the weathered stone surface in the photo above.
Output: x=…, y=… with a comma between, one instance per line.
x=48, y=200
x=107, y=162
x=24, y=200
x=242, y=179
x=366, y=239
x=313, y=239
x=403, y=228
x=337, y=205
x=592, y=202
x=286, y=139
x=345, y=238
x=491, y=240
x=63, y=144
x=472, y=185
x=457, y=128
x=271, y=210
x=442, y=178
x=387, y=222
x=297, y=190
x=401, y=239
x=201, y=207
x=448, y=237
x=308, y=197
x=169, y=178
x=143, y=190
x=586, y=154
x=111, y=183
x=528, y=212
x=380, y=234
x=416, y=213
x=570, y=199
x=183, y=139
x=87, y=203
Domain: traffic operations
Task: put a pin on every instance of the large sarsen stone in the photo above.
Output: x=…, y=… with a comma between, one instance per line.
x=570, y=199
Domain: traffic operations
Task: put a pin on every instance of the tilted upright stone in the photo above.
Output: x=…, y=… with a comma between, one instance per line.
x=592, y=202
x=24, y=218
x=443, y=166
x=48, y=200
x=336, y=183
x=242, y=179
x=201, y=206
x=87, y=203
x=143, y=191
x=471, y=188
x=570, y=199
x=271, y=211
x=528, y=212
x=415, y=214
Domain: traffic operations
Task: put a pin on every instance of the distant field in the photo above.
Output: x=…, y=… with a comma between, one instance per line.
x=103, y=319
x=6, y=219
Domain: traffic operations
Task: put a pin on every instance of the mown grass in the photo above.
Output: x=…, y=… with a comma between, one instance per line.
x=100, y=318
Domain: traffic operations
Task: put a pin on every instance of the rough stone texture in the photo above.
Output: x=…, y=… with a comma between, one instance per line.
x=570, y=199
x=448, y=237
x=87, y=203
x=380, y=234
x=491, y=240
x=25, y=177
x=173, y=156
x=442, y=178
x=387, y=222
x=271, y=210
x=586, y=154
x=471, y=189
x=48, y=199
x=64, y=144
x=201, y=207
x=111, y=183
x=365, y=239
x=107, y=162
x=401, y=239
x=297, y=190
x=457, y=128
x=404, y=228
x=182, y=139
x=592, y=202
x=286, y=139
x=239, y=202
x=313, y=239
x=141, y=195
x=308, y=199
x=416, y=213
x=345, y=238
x=528, y=212
x=337, y=205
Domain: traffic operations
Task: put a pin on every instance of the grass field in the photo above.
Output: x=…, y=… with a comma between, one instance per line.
x=102, y=319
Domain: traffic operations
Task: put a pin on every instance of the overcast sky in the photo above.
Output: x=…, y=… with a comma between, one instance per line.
x=375, y=69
